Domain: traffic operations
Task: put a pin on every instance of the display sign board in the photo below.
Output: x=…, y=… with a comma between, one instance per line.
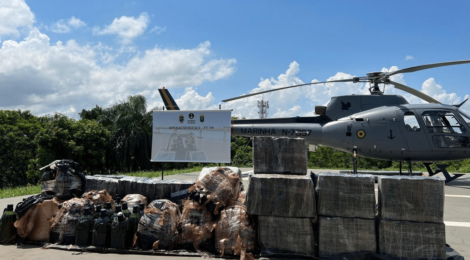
x=191, y=136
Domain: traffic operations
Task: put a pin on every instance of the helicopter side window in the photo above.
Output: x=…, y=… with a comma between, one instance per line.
x=451, y=141
x=443, y=122
x=411, y=123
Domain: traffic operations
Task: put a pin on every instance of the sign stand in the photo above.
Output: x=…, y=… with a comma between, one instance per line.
x=163, y=168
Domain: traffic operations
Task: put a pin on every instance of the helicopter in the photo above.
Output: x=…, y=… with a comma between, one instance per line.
x=378, y=126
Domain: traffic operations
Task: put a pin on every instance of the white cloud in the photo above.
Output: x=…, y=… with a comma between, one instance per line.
x=158, y=30
x=15, y=15
x=76, y=23
x=126, y=28
x=409, y=57
x=67, y=77
x=65, y=26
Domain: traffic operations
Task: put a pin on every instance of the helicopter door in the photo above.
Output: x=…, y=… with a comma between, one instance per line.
x=415, y=135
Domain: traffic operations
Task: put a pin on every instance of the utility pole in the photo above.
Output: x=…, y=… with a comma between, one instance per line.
x=263, y=108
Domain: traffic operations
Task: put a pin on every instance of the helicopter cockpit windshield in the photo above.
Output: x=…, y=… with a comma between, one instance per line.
x=465, y=116
x=447, y=129
x=443, y=122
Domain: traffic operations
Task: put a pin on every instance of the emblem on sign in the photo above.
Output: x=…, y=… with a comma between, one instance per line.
x=361, y=134
x=191, y=115
x=201, y=118
x=181, y=119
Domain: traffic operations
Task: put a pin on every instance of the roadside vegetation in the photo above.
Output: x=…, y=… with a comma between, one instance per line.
x=117, y=140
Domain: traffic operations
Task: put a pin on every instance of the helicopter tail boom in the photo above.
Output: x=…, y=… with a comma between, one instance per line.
x=312, y=132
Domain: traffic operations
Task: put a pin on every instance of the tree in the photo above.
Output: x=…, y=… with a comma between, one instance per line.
x=131, y=134
x=17, y=132
x=83, y=141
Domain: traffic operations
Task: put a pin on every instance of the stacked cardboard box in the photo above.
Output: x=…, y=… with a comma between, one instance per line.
x=279, y=155
x=283, y=203
x=411, y=213
x=346, y=209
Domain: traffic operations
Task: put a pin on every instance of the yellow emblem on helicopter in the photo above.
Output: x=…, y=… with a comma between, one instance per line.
x=361, y=134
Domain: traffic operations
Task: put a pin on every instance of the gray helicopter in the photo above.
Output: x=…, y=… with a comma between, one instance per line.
x=377, y=126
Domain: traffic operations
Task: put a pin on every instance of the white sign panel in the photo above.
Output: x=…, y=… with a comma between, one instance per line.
x=191, y=136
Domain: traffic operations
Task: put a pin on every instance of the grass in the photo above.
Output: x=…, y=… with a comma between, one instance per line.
x=19, y=191
x=166, y=173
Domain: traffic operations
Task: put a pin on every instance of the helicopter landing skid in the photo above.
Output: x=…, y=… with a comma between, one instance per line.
x=442, y=168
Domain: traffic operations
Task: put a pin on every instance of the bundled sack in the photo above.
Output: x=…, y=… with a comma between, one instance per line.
x=220, y=187
x=235, y=233
x=100, y=183
x=196, y=226
x=60, y=230
x=34, y=225
x=158, y=227
x=98, y=197
x=63, y=179
x=134, y=200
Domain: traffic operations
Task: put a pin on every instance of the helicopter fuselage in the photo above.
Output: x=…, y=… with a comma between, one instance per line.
x=376, y=126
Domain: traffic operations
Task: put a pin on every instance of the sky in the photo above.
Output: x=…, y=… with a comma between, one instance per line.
x=65, y=56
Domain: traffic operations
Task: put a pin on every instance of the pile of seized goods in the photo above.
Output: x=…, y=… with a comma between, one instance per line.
x=77, y=212
x=284, y=213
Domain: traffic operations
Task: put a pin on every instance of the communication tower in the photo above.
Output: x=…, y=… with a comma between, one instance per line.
x=263, y=108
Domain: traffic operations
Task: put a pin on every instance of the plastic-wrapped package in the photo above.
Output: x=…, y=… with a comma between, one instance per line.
x=125, y=210
x=346, y=195
x=100, y=183
x=279, y=155
x=196, y=227
x=84, y=229
x=146, y=188
x=411, y=198
x=235, y=232
x=70, y=223
x=281, y=195
x=164, y=189
x=119, y=232
x=59, y=221
x=158, y=227
x=279, y=236
x=68, y=182
x=7, y=226
x=98, y=197
x=125, y=186
x=338, y=235
x=133, y=219
x=220, y=186
x=101, y=230
x=207, y=170
x=412, y=240
x=134, y=200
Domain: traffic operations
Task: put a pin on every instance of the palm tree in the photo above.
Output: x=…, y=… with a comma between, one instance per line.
x=131, y=130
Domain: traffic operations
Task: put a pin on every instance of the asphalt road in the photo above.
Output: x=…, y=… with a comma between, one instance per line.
x=456, y=218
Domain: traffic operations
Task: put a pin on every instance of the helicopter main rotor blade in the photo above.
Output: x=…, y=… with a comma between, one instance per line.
x=427, y=66
x=413, y=91
x=293, y=86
